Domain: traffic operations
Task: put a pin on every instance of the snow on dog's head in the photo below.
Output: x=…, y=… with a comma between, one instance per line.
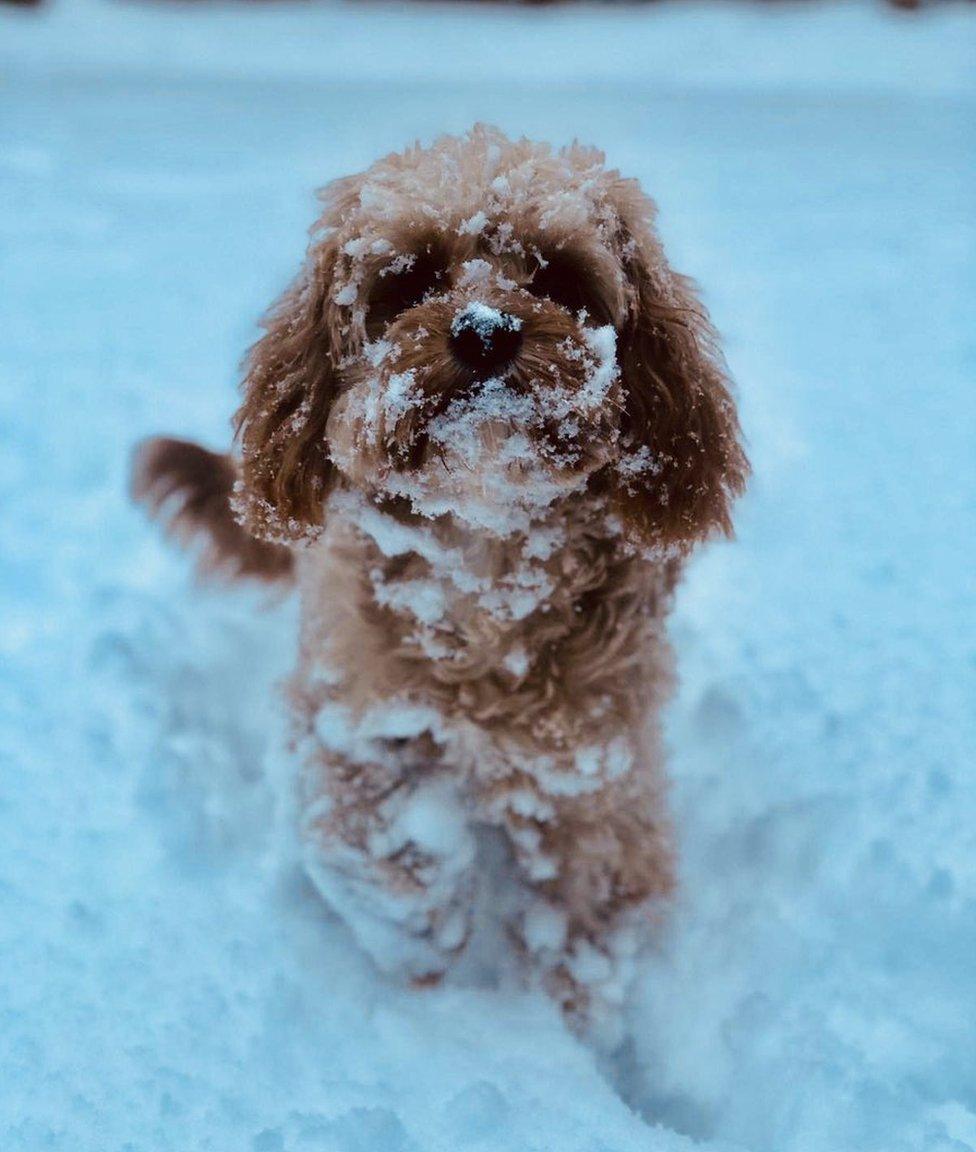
x=482, y=327
x=489, y=412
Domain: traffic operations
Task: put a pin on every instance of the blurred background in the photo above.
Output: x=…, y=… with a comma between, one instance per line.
x=167, y=981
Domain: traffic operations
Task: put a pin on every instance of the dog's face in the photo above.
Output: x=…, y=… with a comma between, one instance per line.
x=481, y=327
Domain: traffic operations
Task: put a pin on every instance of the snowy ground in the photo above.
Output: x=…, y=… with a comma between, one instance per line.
x=167, y=979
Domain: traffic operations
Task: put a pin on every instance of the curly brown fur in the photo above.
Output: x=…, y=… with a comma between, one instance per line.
x=189, y=490
x=488, y=422
x=679, y=401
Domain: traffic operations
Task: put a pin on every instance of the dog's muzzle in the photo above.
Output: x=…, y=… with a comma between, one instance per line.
x=485, y=339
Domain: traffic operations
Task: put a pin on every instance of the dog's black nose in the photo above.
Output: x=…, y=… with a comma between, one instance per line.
x=484, y=338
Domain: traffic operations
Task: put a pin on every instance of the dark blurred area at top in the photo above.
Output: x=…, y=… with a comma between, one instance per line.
x=189, y=5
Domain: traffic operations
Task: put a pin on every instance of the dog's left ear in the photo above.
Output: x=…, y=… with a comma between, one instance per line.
x=684, y=462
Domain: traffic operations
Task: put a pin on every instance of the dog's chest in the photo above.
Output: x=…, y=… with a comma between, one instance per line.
x=455, y=603
x=466, y=600
x=550, y=637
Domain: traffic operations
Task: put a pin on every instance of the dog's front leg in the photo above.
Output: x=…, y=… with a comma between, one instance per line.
x=595, y=865
x=387, y=845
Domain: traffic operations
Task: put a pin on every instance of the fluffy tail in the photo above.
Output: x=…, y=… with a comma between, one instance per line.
x=189, y=489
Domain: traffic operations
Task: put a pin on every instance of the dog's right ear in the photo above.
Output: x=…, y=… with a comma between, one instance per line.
x=289, y=387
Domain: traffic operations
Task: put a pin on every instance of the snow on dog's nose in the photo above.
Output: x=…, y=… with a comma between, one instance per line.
x=483, y=338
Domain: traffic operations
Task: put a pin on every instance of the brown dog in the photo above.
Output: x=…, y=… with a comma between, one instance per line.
x=484, y=428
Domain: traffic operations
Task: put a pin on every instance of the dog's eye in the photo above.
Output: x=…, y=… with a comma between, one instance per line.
x=566, y=280
x=396, y=289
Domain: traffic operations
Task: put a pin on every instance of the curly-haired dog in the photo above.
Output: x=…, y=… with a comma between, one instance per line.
x=484, y=427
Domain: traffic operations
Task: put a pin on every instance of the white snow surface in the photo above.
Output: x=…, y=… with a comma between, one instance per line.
x=168, y=979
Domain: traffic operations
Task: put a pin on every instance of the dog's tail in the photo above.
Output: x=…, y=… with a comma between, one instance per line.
x=188, y=489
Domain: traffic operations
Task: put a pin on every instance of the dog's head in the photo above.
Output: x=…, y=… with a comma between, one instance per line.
x=480, y=326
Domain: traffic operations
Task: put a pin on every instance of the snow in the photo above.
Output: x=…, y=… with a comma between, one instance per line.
x=169, y=979
x=484, y=320
x=838, y=45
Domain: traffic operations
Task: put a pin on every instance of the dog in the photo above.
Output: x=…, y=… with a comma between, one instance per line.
x=482, y=432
